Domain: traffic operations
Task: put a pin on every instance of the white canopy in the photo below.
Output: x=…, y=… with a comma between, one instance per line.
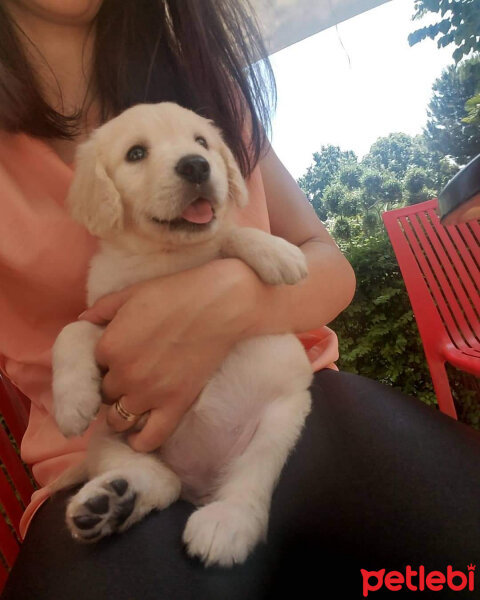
x=285, y=22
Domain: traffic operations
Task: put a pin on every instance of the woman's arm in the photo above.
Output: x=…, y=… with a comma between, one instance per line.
x=330, y=285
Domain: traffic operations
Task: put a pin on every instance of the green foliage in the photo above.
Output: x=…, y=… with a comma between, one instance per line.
x=454, y=111
x=349, y=175
x=472, y=108
x=370, y=223
x=342, y=230
x=372, y=184
x=397, y=152
x=392, y=190
x=324, y=170
x=449, y=129
x=333, y=195
x=458, y=24
x=338, y=185
x=418, y=185
x=446, y=170
x=377, y=332
x=446, y=132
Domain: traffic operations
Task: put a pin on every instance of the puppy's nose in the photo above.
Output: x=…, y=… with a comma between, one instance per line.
x=193, y=168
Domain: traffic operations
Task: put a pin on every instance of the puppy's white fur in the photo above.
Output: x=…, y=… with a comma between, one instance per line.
x=230, y=447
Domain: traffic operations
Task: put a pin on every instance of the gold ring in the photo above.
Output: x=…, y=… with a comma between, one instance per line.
x=124, y=413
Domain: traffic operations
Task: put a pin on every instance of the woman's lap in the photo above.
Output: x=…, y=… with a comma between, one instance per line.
x=377, y=481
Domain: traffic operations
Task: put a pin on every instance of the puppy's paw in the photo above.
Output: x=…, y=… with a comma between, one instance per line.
x=280, y=262
x=222, y=533
x=76, y=377
x=119, y=498
x=76, y=404
x=100, y=508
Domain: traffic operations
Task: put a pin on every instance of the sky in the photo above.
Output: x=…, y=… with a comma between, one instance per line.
x=349, y=85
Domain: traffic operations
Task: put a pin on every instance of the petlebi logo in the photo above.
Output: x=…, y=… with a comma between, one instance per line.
x=419, y=580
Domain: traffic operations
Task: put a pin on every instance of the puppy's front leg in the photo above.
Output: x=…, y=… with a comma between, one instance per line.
x=274, y=259
x=225, y=531
x=76, y=377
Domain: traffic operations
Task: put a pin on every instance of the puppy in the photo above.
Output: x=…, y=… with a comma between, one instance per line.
x=158, y=185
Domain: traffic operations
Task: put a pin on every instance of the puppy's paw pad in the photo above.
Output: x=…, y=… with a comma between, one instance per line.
x=86, y=521
x=222, y=533
x=100, y=508
x=98, y=504
x=120, y=486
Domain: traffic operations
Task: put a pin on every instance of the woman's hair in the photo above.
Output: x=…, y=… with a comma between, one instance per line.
x=206, y=55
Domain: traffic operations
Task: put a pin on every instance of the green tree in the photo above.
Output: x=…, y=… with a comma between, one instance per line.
x=349, y=175
x=447, y=169
x=446, y=132
x=392, y=190
x=396, y=152
x=398, y=169
x=458, y=24
x=324, y=170
x=333, y=196
x=418, y=185
x=472, y=106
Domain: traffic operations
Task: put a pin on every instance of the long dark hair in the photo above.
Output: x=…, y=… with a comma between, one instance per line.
x=207, y=55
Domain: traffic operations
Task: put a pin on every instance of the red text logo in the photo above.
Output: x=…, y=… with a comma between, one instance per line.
x=418, y=580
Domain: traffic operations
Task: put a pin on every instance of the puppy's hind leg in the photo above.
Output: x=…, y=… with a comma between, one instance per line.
x=126, y=485
x=225, y=531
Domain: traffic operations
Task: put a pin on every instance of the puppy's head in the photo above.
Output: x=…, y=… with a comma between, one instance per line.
x=156, y=170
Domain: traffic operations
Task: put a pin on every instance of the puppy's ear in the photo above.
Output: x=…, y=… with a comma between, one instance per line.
x=93, y=199
x=237, y=190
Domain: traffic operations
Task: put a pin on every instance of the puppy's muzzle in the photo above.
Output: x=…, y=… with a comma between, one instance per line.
x=193, y=168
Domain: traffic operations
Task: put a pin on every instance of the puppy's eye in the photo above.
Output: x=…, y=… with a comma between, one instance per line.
x=202, y=141
x=136, y=153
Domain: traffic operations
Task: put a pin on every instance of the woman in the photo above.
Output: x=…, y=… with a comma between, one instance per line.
x=68, y=66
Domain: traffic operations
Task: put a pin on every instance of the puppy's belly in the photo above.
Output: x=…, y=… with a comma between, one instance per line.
x=222, y=422
x=200, y=452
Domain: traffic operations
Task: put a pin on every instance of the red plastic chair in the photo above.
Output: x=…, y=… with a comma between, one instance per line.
x=441, y=269
x=16, y=485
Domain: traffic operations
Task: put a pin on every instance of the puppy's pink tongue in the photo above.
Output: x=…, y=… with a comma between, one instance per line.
x=199, y=211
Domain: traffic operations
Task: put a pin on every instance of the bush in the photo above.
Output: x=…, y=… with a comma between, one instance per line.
x=378, y=334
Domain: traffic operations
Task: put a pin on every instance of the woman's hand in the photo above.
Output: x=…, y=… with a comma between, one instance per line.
x=166, y=337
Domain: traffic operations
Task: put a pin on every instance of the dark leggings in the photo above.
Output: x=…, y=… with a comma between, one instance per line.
x=377, y=481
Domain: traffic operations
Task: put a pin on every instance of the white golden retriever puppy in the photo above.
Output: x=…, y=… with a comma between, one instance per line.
x=157, y=185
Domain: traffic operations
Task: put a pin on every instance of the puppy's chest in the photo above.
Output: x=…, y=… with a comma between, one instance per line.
x=112, y=270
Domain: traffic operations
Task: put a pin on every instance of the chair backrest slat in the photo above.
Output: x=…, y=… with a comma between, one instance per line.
x=466, y=268
x=3, y=576
x=16, y=485
x=441, y=268
x=432, y=282
x=9, y=545
x=468, y=237
x=11, y=504
x=457, y=280
x=471, y=234
x=424, y=309
x=15, y=469
x=13, y=408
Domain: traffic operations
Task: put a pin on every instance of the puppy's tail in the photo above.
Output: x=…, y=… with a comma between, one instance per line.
x=72, y=476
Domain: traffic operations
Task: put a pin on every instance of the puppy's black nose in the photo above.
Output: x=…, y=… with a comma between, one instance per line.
x=193, y=168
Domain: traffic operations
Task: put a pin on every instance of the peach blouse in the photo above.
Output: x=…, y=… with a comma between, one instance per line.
x=44, y=256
